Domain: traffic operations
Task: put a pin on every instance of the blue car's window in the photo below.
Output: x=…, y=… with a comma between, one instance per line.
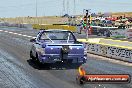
x=56, y=35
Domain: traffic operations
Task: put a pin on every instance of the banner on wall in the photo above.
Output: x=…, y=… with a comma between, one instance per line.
x=110, y=51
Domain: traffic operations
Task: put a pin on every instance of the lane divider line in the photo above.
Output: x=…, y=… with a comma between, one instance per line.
x=25, y=35
x=29, y=36
x=5, y=31
x=33, y=37
x=10, y=32
x=19, y=34
x=15, y=33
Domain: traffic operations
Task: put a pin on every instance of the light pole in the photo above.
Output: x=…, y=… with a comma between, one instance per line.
x=36, y=8
x=67, y=6
x=74, y=10
x=63, y=11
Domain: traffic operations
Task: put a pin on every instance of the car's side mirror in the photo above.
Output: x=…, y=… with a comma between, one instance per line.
x=32, y=40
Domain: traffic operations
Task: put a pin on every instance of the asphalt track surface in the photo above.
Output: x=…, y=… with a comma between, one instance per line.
x=17, y=70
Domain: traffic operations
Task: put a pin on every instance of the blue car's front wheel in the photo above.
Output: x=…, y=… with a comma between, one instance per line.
x=34, y=58
x=31, y=56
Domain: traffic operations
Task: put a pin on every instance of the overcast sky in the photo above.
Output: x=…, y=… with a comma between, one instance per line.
x=15, y=8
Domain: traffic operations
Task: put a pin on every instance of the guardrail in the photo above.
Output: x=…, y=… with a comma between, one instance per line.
x=121, y=50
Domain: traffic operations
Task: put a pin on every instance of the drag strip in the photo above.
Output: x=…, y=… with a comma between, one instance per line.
x=18, y=70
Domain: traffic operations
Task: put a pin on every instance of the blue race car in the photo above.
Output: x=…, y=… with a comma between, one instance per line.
x=51, y=46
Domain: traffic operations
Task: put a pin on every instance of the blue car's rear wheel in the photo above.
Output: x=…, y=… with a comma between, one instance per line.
x=40, y=64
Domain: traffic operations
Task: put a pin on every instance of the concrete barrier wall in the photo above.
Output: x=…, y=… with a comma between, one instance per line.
x=115, y=51
x=24, y=25
x=27, y=25
x=65, y=27
x=110, y=51
x=118, y=43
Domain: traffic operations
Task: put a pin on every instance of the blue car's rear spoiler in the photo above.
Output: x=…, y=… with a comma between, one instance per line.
x=65, y=45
